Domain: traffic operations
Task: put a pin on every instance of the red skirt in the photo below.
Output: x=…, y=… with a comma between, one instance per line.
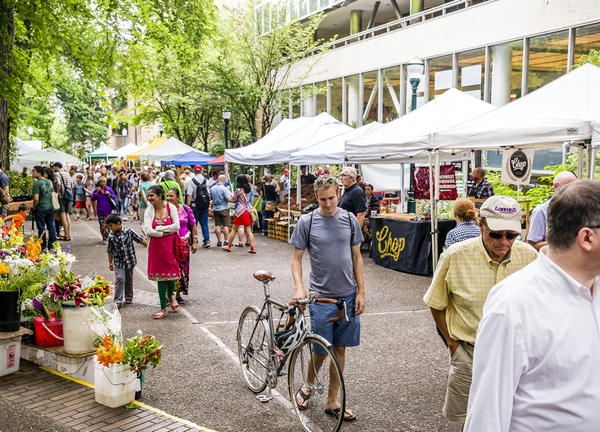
x=243, y=219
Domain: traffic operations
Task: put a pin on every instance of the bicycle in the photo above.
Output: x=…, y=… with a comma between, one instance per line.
x=263, y=352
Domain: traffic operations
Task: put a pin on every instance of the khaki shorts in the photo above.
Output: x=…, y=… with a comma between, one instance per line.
x=459, y=383
x=222, y=218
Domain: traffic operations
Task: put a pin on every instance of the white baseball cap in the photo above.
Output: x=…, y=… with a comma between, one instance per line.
x=501, y=213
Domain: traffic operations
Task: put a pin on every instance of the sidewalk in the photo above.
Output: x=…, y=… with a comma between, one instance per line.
x=61, y=403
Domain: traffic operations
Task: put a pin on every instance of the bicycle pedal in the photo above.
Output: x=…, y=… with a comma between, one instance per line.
x=263, y=398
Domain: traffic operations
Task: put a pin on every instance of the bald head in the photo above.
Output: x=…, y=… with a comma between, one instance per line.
x=563, y=178
x=222, y=179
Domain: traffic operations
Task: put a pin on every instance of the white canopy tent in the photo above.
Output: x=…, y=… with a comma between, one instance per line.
x=288, y=137
x=123, y=151
x=330, y=150
x=408, y=138
x=170, y=148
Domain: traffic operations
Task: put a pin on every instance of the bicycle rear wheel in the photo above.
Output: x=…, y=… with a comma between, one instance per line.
x=313, y=369
x=253, y=348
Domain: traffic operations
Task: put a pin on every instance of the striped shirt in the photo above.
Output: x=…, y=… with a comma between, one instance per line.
x=463, y=278
x=537, y=223
x=463, y=231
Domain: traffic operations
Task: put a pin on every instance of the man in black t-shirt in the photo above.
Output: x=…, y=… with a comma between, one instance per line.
x=354, y=199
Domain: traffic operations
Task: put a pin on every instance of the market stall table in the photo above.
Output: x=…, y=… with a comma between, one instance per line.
x=405, y=245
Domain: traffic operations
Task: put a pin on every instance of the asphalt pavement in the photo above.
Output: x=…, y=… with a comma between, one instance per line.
x=395, y=380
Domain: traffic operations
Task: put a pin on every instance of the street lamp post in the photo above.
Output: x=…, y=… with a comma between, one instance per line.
x=414, y=71
x=30, y=132
x=226, y=117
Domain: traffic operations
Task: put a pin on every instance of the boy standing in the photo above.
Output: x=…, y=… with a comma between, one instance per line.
x=121, y=257
x=78, y=188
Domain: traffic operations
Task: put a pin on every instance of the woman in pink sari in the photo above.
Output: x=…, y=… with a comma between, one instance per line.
x=188, y=231
x=161, y=225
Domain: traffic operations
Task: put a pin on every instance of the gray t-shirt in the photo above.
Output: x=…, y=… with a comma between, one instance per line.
x=332, y=270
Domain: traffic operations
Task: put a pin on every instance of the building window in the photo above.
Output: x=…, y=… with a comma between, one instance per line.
x=547, y=58
x=296, y=102
x=586, y=39
x=471, y=72
x=336, y=98
x=321, y=94
x=507, y=67
x=353, y=110
x=440, y=75
x=369, y=111
x=391, y=93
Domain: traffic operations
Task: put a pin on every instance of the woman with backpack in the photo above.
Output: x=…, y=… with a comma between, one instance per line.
x=242, y=212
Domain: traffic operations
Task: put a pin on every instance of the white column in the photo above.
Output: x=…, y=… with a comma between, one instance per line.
x=501, y=70
x=353, y=100
x=308, y=106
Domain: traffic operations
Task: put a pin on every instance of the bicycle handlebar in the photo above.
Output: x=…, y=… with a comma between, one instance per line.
x=339, y=303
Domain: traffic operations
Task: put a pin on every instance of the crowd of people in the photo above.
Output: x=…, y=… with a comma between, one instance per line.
x=518, y=317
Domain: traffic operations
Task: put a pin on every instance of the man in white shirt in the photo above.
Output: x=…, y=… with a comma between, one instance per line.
x=537, y=359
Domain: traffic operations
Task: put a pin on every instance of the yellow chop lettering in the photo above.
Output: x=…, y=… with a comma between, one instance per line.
x=388, y=245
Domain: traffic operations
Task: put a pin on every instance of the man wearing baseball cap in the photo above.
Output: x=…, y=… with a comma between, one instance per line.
x=465, y=274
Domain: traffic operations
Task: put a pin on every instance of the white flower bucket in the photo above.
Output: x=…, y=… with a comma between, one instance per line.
x=114, y=386
x=79, y=339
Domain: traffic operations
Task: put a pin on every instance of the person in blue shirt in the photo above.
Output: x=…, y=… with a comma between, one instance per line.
x=220, y=197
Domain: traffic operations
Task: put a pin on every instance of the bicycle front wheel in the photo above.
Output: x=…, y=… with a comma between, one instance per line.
x=253, y=348
x=314, y=371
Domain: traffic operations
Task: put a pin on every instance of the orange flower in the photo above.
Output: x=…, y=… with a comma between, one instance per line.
x=109, y=352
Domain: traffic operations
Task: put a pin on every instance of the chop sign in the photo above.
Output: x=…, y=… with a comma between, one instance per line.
x=388, y=245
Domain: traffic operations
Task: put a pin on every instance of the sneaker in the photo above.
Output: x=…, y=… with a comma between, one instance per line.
x=206, y=244
x=76, y=217
x=180, y=300
x=247, y=244
x=119, y=305
x=225, y=243
x=251, y=250
x=128, y=301
x=219, y=244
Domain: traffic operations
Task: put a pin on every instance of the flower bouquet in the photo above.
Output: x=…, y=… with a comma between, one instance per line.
x=117, y=366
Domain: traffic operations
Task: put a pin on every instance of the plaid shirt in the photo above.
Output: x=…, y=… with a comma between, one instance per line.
x=464, y=277
x=483, y=190
x=121, y=246
x=463, y=231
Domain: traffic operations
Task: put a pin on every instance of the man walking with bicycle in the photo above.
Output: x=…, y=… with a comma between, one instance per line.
x=332, y=237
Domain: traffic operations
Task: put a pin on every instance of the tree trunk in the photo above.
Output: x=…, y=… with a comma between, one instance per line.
x=7, y=27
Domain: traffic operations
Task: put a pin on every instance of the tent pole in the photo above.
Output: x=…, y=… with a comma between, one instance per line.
x=593, y=170
x=298, y=187
x=435, y=215
x=590, y=162
x=289, y=201
x=432, y=209
x=465, y=173
x=579, y=162
x=402, y=187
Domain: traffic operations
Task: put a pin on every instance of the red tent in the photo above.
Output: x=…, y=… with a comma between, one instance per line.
x=217, y=161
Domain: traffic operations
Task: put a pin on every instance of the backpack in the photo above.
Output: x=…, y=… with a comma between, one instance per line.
x=201, y=198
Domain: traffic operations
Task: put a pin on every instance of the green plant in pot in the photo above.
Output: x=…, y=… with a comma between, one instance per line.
x=14, y=281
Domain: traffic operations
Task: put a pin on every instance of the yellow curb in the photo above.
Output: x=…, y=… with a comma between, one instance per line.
x=140, y=404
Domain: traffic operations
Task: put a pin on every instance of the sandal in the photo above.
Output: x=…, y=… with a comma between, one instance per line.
x=227, y=248
x=174, y=308
x=251, y=250
x=335, y=412
x=160, y=315
x=239, y=245
x=305, y=398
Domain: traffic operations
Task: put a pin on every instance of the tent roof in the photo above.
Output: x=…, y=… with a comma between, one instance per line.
x=170, y=148
x=155, y=143
x=404, y=138
x=123, y=151
x=288, y=137
x=49, y=155
x=330, y=150
x=101, y=152
x=562, y=110
x=217, y=161
x=193, y=157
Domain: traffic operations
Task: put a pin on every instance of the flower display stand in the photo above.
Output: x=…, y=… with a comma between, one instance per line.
x=10, y=350
x=79, y=366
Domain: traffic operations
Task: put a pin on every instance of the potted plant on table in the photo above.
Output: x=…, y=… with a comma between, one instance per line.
x=14, y=279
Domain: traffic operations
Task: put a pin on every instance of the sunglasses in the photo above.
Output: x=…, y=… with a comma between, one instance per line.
x=325, y=181
x=498, y=236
